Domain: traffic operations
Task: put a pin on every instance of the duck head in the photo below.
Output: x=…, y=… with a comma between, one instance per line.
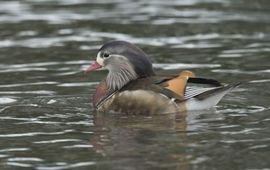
x=125, y=63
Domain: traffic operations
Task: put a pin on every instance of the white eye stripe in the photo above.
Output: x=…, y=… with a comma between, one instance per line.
x=99, y=55
x=99, y=59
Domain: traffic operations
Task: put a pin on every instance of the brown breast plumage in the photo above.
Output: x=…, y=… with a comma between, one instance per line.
x=138, y=102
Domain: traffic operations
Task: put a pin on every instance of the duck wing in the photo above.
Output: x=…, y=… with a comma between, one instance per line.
x=148, y=84
x=205, y=98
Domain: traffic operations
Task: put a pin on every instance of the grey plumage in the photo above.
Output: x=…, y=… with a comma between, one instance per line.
x=120, y=76
x=123, y=57
x=134, y=54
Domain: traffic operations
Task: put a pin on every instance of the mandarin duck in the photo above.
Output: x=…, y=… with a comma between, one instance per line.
x=132, y=87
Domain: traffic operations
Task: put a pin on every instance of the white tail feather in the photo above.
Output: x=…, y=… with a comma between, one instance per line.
x=210, y=99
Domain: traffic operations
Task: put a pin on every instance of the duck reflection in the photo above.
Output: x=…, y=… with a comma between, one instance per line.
x=141, y=142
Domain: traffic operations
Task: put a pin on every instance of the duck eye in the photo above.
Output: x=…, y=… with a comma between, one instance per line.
x=106, y=55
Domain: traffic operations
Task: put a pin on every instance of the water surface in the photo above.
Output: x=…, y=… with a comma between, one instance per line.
x=46, y=119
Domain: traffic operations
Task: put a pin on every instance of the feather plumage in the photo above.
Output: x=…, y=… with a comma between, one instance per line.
x=132, y=87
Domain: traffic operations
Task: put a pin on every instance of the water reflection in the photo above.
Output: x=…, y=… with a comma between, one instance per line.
x=46, y=118
x=120, y=139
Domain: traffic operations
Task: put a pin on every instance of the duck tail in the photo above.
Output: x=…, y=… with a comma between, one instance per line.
x=210, y=97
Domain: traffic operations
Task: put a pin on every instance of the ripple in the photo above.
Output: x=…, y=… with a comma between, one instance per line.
x=41, y=92
x=66, y=73
x=26, y=65
x=197, y=45
x=17, y=118
x=13, y=7
x=52, y=101
x=34, y=134
x=78, y=146
x=86, y=84
x=260, y=81
x=83, y=35
x=237, y=71
x=173, y=66
x=246, y=140
x=41, y=66
x=50, y=42
x=258, y=146
x=75, y=165
x=199, y=160
x=6, y=100
x=243, y=111
x=228, y=126
x=244, y=131
x=14, y=149
x=27, y=33
x=86, y=123
x=22, y=70
x=23, y=165
x=6, y=43
x=28, y=84
x=4, y=156
x=88, y=47
x=230, y=55
x=243, y=51
x=39, y=122
x=25, y=159
x=55, y=31
x=57, y=141
x=65, y=31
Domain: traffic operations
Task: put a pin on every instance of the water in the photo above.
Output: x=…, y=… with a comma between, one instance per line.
x=46, y=120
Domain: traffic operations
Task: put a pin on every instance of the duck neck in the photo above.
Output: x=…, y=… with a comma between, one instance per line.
x=119, y=77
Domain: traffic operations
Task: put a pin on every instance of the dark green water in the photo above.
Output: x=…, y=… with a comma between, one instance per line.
x=46, y=119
